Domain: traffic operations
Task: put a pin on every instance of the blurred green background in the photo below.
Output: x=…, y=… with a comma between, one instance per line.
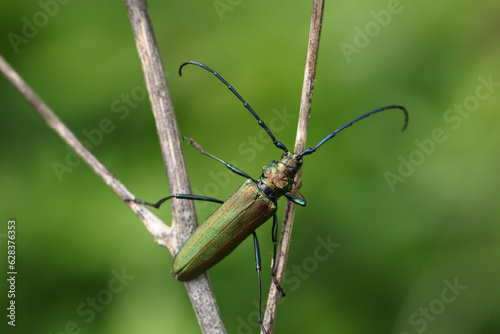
x=411, y=219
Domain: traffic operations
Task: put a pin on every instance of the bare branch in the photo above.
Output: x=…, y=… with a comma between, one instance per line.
x=183, y=214
x=184, y=218
x=300, y=141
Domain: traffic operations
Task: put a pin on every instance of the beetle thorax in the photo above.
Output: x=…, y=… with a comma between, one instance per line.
x=278, y=177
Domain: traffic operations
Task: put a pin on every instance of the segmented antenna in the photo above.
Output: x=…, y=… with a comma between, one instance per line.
x=278, y=144
x=331, y=135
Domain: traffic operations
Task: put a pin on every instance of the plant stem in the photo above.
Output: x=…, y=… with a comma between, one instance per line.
x=304, y=114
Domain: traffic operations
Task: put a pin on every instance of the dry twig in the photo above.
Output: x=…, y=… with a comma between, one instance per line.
x=300, y=142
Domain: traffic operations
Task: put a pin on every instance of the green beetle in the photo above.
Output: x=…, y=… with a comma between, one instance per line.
x=250, y=206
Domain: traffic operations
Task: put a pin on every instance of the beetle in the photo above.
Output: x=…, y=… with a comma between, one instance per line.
x=251, y=205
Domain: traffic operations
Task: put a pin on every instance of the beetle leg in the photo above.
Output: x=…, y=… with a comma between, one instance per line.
x=257, y=262
x=180, y=196
x=296, y=197
x=274, y=236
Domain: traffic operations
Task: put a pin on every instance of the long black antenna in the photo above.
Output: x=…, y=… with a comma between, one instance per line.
x=331, y=135
x=278, y=144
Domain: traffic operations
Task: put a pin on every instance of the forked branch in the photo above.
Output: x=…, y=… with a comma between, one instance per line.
x=183, y=214
x=184, y=218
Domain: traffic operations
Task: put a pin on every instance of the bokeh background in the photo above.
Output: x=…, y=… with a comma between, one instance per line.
x=401, y=232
